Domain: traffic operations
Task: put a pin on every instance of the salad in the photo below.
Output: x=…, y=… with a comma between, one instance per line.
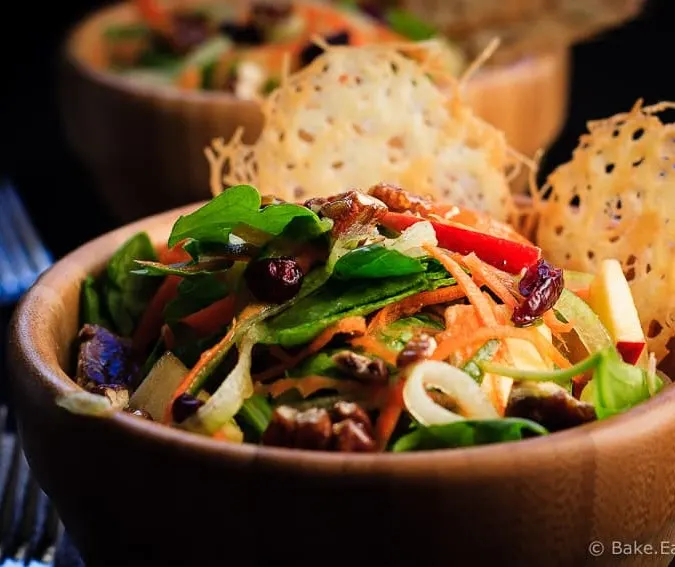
x=362, y=322
x=242, y=50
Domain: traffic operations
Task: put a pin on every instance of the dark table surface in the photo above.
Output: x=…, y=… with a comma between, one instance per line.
x=609, y=74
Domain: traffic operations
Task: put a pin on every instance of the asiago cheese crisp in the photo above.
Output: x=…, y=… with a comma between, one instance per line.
x=358, y=116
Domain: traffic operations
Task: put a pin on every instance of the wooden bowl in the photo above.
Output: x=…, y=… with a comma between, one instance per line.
x=144, y=145
x=135, y=493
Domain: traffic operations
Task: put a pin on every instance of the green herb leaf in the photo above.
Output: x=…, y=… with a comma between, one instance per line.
x=618, y=386
x=376, y=261
x=235, y=206
x=409, y=26
x=128, y=294
x=194, y=294
x=468, y=433
x=183, y=269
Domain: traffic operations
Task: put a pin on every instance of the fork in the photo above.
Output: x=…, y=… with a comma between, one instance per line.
x=29, y=525
x=23, y=257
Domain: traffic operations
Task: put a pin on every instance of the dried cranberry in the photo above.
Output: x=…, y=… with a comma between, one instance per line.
x=274, y=280
x=243, y=34
x=541, y=286
x=185, y=406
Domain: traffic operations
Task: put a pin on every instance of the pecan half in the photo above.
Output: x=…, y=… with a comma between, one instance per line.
x=399, y=200
x=420, y=347
x=346, y=427
x=361, y=367
x=548, y=404
x=353, y=213
x=117, y=394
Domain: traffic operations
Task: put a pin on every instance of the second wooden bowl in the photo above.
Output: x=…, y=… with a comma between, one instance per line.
x=144, y=145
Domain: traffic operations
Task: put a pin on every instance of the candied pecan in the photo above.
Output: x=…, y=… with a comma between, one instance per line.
x=342, y=411
x=420, y=347
x=281, y=429
x=317, y=429
x=348, y=437
x=360, y=366
x=117, y=394
x=548, y=404
x=399, y=200
x=313, y=429
x=353, y=213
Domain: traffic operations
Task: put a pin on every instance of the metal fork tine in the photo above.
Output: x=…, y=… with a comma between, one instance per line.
x=38, y=255
x=12, y=245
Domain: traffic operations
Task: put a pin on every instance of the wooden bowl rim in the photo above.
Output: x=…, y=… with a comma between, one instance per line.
x=33, y=354
x=516, y=68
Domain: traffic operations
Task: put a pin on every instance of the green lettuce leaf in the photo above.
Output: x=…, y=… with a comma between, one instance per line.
x=376, y=261
x=467, y=433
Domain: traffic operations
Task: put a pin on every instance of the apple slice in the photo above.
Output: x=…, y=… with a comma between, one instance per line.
x=525, y=356
x=611, y=299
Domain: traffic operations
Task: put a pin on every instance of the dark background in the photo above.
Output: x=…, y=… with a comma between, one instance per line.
x=609, y=73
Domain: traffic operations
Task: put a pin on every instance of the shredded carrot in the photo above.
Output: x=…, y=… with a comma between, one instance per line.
x=372, y=346
x=453, y=344
x=308, y=385
x=486, y=275
x=152, y=319
x=348, y=325
x=411, y=305
x=389, y=415
x=465, y=282
x=204, y=359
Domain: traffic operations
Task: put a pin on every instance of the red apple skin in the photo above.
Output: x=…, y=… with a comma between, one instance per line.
x=630, y=351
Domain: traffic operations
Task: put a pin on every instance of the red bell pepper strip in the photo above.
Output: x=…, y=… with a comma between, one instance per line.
x=211, y=319
x=507, y=255
x=152, y=320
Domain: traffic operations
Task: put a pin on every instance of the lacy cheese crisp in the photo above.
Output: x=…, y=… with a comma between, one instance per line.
x=358, y=116
x=616, y=199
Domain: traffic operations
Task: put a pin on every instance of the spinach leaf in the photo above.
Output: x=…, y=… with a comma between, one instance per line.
x=376, y=261
x=467, y=433
x=127, y=294
x=236, y=206
x=256, y=412
x=92, y=308
x=409, y=26
x=334, y=301
x=194, y=294
x=397, y=335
